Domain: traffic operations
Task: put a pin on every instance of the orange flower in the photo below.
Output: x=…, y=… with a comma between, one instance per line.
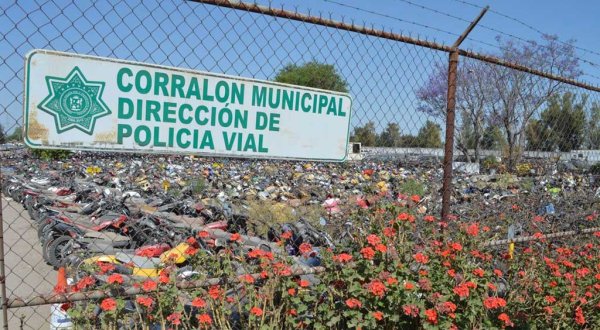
x=409, y=286
x=203, y=234
x=342, y=258
x=174, y=318
x=108, y=304
x=149, y=285
x=353, y=303
x=421, y=258
x=190, y=251
x=389, y=232
x=247, y=278
x=85, y=282
x=504, y=318
x=145, y=301
x=105, y=267
x=550, y=299
x=456, y=246
x=214, y=291
x=461, y=290
x=478, y=272
x=415, y=198
x=377, y=288
x=235, y=237
x=451, y=272
x=431, y=316
x=373, y=239
x=164, y=277
x=291, y=291
x=378, y=315
x=494, y=302
x=391, y=280
x=286, y=235
x=367, y=253
x=256, y=311
x=305, y=248
x=115, y=278
x=292, y=312
x=579, y=318
x=304, y=284
x=198, y=302
x=381, y=248
x=429, y=218
x=498, y=272
x=473, y=229
x=204, y=319
x=282, y=269
x=410, y=310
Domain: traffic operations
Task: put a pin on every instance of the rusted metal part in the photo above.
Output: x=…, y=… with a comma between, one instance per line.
x=449, y=144
x=132, y=291
x=281, y=13
x=2, y=266
x=541, y=237
x=470, y=28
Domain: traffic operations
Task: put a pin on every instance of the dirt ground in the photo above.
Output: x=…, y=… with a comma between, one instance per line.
x=26, y=272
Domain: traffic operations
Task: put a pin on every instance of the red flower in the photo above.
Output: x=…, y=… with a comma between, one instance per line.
x=421, y=258
x=378, y=315
x=286, y=235
x=409, y=286
x=492, y=287
x=451, y=272
x=498, y=272
x=410, y=310
x=304, y=284
x=478, y=272
x=85, y=282
x=291, y=291
x=235, y=237
x=108, y=304
x=174, y=318
x=367, y=253
x=461, y=290
x=145, y=301
x=214, y=292
x=406, y=217
x=198, y=302
x=204, y=319
x=105, y=267
x=190, y=251
x=494, y=302
x=256, y=311
x=305, y=248
x=447, y=307
x=353, y=303
x=282, y=269
x=381, y=248
x=164, y=277
x=115, y=278
x=391, y=280
x=342, y=258
x=429, y=218
x=377, y=288
x=550, y=299
x=504, y=318
x=292, y=312
x=149, y=285
x=579, y=318
x=203, y=234
x=247, y=278
x=389, y=232
x=415, y=198
x=191, y=241
x=456, y=246
x=373, y=239
x=473, y=229
x=431, y=316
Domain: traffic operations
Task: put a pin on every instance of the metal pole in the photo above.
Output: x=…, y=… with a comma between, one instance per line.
x=450, y=116
x=449, y=145
x=2, y=270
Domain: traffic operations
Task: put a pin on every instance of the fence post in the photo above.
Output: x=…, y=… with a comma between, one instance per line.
x=449, y=144
x=451, y=114
x=2, y=270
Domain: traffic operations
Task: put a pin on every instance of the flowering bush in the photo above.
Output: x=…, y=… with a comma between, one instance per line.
x=409, y=271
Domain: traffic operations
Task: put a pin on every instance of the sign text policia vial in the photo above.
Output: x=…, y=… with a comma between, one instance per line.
x=91, y=103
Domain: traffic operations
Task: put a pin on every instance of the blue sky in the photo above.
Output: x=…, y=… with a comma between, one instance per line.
x=382, y=75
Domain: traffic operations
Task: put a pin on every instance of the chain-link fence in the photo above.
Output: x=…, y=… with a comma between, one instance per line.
x=510, y=117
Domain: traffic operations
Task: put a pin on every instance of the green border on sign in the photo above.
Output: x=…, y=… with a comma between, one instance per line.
x=31, y=144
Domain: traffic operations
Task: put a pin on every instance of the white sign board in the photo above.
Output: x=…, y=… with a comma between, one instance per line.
x=90, y=103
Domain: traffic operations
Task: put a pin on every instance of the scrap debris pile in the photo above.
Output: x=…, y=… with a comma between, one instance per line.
x=133, y=215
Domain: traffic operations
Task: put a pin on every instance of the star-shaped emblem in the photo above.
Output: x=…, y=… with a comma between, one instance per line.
x=74, y=102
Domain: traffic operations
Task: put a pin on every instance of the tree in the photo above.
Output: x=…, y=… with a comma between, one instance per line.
x=2, y=135
x=518, y=95
x=474, y=96
x=561, y=125
x=492, y=138
x=430, y=135
x=16, y=135
x=365, y=135
x=593, y=128
x=390, y=137
x=313, y=74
